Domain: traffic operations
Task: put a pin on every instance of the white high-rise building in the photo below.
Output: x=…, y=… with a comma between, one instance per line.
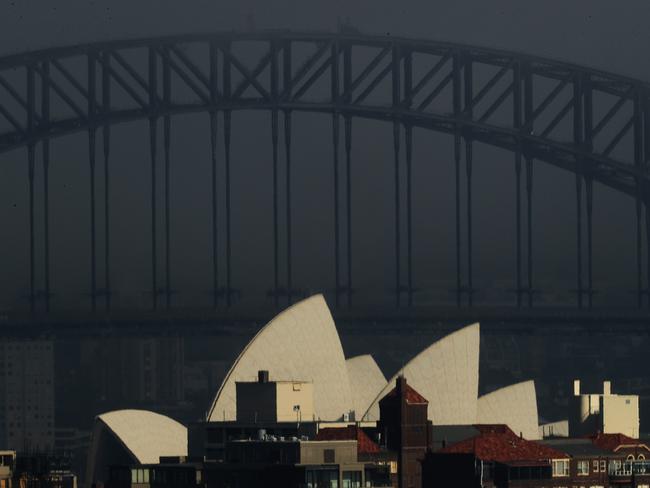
x=604, y=413
x=27, y=395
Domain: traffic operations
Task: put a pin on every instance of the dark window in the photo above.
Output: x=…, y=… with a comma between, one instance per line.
x=328, y=456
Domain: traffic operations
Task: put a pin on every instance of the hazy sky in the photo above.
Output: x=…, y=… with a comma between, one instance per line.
x=593, y=32
x=603, y=34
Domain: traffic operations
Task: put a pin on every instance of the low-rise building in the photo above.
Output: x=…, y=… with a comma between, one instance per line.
x=496, y=458
x=7, y=463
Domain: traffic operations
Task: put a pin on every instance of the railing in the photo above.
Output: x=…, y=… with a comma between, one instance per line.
x=628, y=468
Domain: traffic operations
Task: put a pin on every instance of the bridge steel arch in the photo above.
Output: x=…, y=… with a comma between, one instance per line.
x=592, y=123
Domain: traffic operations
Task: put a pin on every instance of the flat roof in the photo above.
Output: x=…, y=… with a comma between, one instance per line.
x=576, y=447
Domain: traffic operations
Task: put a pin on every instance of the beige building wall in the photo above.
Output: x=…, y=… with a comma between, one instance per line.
x=313, y=452
x=291, y=394
x=603, y=412
x=621, y=415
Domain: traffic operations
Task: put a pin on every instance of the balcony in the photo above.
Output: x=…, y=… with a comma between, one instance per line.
x=628, y=468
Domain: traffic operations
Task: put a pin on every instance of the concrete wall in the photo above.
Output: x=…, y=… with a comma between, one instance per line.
x=313, y=452
x=290, y=394
x=621, y=415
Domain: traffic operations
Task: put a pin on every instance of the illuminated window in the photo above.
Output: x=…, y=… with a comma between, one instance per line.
x=560, y=467
x=583, y=468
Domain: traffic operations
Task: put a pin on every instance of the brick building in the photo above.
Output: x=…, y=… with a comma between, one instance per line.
x=404, y=427
x=496, y=458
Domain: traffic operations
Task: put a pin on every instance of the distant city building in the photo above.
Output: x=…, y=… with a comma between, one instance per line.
x=136, y=371
x=43, y=470
x=604, y=412
x=27, y=395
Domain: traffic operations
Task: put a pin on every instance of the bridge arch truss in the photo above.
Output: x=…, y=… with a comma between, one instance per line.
x=591, y=123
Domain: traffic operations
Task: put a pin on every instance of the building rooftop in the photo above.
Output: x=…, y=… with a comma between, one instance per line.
x=611, y=442
x=499, y=443
x=576, y=447
x=412, y=396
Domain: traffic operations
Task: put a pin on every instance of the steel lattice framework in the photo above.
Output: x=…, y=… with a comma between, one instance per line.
x=591, y=123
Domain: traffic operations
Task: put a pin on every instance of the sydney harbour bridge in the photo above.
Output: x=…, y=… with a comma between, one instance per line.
x=592, y=124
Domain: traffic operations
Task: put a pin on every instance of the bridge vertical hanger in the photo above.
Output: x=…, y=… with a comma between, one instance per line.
x=578, y=139
x=214, y=64
x=45, y=114
x=106, y=142
x=287, y=77
x=167, y=147
x=641, y=139
x=92, y=152
x=588, y=141
x=396, y=153
x=31, y=150
x=528, y=117
x=347, y=89
x=396, y=149
x=227, y=121
x=642, y=187
x=274, y=143
x=469, y=155
x=153, y=142
x=335, y=162
x=517, y=124
x=408, y=141
x=589, y=187
x=457, y=148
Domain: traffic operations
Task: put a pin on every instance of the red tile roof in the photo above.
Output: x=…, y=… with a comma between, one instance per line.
x=365, y=444
x=499, y=443
x=412, y=396
x=611, y=442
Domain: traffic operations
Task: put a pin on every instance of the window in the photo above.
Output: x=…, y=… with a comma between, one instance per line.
x=351, y=479
x=630, y=457
x=560, y=467
x=329, y=456
x=139, y=476
x=583, y=468
x=615, y=466
x=641, y=457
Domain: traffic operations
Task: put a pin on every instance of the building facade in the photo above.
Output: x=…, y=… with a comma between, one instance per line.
x=27, y=395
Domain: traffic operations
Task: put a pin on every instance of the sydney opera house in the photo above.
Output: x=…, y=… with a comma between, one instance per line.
x=302, y=344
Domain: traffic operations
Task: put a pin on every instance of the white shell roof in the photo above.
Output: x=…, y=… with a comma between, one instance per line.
x=366, y=379
x=515, y=406
x=446, y=374
x=147, y=435
x=300, y=343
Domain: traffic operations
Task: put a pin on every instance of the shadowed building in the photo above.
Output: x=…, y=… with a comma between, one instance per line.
x=404, y=426
x=27, y=395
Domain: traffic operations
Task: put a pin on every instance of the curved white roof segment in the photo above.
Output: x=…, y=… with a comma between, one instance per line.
x=515, y=406
x=366, y=379
x=147, y=435
x=143, y=436
x=446, y=374
x=300, y=343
